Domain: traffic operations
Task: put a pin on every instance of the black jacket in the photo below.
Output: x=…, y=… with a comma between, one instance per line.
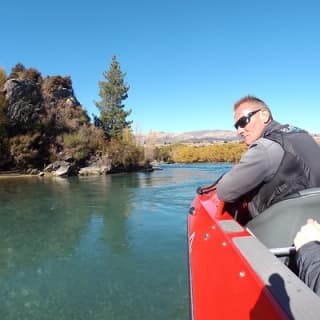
x=298, y=170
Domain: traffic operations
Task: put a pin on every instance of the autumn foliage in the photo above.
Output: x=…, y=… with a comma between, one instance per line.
x=190, y=153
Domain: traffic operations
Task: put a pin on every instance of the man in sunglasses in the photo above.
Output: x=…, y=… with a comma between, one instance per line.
x=280, y=159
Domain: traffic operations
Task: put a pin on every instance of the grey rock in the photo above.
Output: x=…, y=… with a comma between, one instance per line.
x=89, y=171
x=24, y=101
x=62, y=171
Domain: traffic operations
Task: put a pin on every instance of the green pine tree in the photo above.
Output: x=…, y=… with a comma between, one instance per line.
x=113, y=91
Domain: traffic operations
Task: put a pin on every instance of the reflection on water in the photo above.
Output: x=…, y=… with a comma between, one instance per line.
x=110, y=247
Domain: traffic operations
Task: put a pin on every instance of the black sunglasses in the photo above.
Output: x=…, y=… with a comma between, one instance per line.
x=243, y=121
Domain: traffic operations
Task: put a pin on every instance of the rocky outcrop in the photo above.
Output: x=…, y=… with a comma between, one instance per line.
x=96, y=166
x=63, y=109
x=23, y=101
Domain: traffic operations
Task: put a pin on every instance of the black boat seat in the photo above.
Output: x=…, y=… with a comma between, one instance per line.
x=277, y=226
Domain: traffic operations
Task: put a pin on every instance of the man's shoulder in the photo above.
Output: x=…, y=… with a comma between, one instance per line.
x=267, y=151
x=261, y=151
x=263, y=143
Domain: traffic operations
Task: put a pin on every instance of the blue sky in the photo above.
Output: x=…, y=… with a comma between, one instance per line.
x=187, y=62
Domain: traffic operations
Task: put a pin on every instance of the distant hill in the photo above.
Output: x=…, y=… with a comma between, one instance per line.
x=201, y=136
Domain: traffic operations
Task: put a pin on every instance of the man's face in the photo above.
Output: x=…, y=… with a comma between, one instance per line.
x=251, y=129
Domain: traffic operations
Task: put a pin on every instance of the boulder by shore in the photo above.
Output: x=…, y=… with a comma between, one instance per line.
x=64, y=170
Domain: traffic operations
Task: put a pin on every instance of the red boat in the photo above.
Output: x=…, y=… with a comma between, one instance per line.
x=241, y=270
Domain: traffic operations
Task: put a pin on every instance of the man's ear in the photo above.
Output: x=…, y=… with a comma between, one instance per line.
x=265, y=116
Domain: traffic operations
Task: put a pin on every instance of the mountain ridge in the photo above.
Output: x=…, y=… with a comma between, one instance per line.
x=197, y=136
x=189, y=136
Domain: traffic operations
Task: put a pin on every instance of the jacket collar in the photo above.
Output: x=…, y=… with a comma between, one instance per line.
x=272, y=126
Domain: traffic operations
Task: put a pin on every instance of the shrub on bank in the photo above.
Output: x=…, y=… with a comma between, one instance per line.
x=186, y=153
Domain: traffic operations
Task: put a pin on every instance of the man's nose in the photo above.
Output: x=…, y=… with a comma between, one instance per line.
x=240, y=130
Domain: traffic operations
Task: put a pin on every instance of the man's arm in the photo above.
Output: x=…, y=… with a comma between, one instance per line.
x=307, y=243
x=308, y=263
x=258, y=164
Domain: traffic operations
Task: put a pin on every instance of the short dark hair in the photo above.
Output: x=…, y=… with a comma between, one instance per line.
x=254, y=100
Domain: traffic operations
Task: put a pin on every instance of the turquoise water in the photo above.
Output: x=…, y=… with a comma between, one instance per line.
x=111, y=247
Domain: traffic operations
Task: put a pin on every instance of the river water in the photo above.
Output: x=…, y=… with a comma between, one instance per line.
x=109, y=247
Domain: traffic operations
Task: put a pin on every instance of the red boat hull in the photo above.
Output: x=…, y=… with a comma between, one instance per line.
x=223, y=282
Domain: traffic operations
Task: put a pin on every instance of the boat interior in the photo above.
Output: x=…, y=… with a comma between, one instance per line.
x=277, y=226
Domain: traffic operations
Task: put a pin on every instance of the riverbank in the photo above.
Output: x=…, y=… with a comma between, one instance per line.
x=15, y=174
x=147, y=167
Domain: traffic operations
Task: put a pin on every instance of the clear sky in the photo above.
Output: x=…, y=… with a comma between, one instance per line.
x=187, y=62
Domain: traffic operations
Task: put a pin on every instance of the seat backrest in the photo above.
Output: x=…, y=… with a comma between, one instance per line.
x=277, y=226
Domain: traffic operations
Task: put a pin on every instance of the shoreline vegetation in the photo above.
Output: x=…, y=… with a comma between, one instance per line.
x=45, y=130
x=169, y=153
x=227, y=152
